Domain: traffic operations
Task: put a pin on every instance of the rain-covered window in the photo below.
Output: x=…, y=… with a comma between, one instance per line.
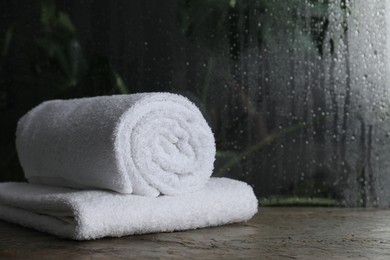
x=296, y=91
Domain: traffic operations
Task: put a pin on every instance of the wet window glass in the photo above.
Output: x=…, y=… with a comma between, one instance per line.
x=296, y=92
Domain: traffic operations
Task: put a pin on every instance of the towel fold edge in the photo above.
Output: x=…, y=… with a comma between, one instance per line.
x=223, y=201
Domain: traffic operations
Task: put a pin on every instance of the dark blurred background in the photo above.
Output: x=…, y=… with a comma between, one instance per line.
x=295, y=91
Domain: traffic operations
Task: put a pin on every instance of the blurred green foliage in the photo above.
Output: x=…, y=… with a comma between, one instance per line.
x=53, y=66
x=61, y=64
x=213, y=23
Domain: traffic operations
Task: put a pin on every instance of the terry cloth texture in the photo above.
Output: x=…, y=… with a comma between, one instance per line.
x=146, y=144
x=84, y=215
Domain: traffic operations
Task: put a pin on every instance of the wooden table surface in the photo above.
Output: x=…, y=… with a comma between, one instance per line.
x=274, y=233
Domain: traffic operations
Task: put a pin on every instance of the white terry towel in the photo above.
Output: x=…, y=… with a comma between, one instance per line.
x=147, y=144
x=84, y=215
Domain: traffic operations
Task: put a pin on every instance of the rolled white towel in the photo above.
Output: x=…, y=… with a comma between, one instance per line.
x=146, y=144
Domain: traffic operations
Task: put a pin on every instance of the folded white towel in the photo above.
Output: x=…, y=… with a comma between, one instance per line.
x=84, y=215
x=146, y=144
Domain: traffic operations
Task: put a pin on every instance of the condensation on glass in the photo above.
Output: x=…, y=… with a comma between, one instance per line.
x=296, y=91
x=296, y=94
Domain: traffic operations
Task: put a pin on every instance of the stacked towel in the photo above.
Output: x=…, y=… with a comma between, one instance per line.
x=120, y=165
x=86, y=215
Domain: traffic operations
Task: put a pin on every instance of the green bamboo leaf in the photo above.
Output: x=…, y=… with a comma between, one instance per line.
x=277, y=201
x=120, y=85
x=7, y=41
x=232, y=3
x=76, y=59
x=262, y=143
x=65, y=22
x=48, y=13
x=227, y=153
